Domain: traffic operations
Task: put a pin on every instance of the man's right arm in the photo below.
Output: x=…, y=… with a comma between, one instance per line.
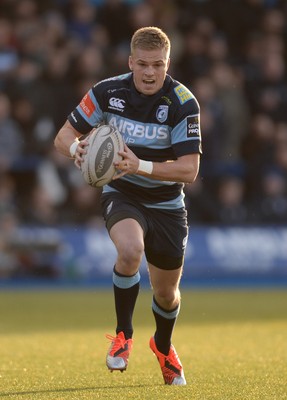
x=67, y=143
x=65, y=138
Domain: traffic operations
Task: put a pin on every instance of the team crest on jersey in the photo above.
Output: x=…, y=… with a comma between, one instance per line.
x=162, y=113
x=183, y=94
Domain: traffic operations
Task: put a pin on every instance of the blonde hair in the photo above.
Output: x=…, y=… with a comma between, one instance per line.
x=150, y=38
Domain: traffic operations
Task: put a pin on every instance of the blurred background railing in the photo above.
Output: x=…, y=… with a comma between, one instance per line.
x=52, y=51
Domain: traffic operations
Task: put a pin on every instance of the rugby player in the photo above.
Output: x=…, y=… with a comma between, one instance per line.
x=143, y=206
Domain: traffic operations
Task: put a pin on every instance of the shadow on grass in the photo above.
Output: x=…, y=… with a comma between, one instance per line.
x=67, y=390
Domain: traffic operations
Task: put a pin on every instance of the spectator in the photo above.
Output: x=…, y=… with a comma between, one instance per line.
x=108, y=16
x=8, y=52
x=11, y=138
x=81, y=18
x=270, y=206
x=231, y=206
x=235, y=112
x=211, y=124
x=200, y=203
x=8, y=194
x=258, y=149
x=39, y=209
x=85, y=202
x=9, y=262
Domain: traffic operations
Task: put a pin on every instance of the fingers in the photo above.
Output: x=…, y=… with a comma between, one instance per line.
x=81, y=151
x=126, y=152
x=77, y=163
x=123, y=167
x=119, y=174
x=125, y=164
x=123, y=154
x=129, y=162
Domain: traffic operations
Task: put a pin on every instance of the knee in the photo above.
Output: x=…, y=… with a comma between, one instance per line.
x=129, y=257
x=167, y=297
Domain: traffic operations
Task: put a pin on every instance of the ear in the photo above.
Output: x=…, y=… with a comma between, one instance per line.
x=130, y=63
x=167, y=65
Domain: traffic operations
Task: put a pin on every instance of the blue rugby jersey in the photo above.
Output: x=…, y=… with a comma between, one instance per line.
x=158, y=128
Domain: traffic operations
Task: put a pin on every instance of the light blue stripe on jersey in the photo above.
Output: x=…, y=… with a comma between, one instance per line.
x=116, y=78
x=168, y=205
x=165, y=314
x=126, y=282
x=146, y=182
x=165, y=205
x=96, y=116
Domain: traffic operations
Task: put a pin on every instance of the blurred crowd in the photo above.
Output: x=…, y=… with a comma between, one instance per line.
x=231, y=54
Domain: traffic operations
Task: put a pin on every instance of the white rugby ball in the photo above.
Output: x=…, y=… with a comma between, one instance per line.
x=98, y=164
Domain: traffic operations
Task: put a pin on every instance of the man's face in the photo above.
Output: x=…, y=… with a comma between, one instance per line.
x=149, y=69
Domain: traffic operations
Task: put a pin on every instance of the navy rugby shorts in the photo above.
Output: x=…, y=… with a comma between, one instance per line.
x=165, y=231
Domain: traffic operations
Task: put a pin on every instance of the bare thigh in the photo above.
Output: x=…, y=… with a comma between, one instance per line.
x=128, y=238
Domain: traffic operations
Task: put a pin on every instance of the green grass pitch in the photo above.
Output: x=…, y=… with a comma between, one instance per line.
x=233, y=345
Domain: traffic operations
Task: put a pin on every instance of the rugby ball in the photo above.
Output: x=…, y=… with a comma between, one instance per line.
x=98, y=164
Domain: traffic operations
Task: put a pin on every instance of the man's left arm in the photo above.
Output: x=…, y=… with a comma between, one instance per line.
x=184, y=169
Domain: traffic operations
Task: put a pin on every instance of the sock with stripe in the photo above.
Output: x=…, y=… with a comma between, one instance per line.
x=126, y=290
x=165, y=322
